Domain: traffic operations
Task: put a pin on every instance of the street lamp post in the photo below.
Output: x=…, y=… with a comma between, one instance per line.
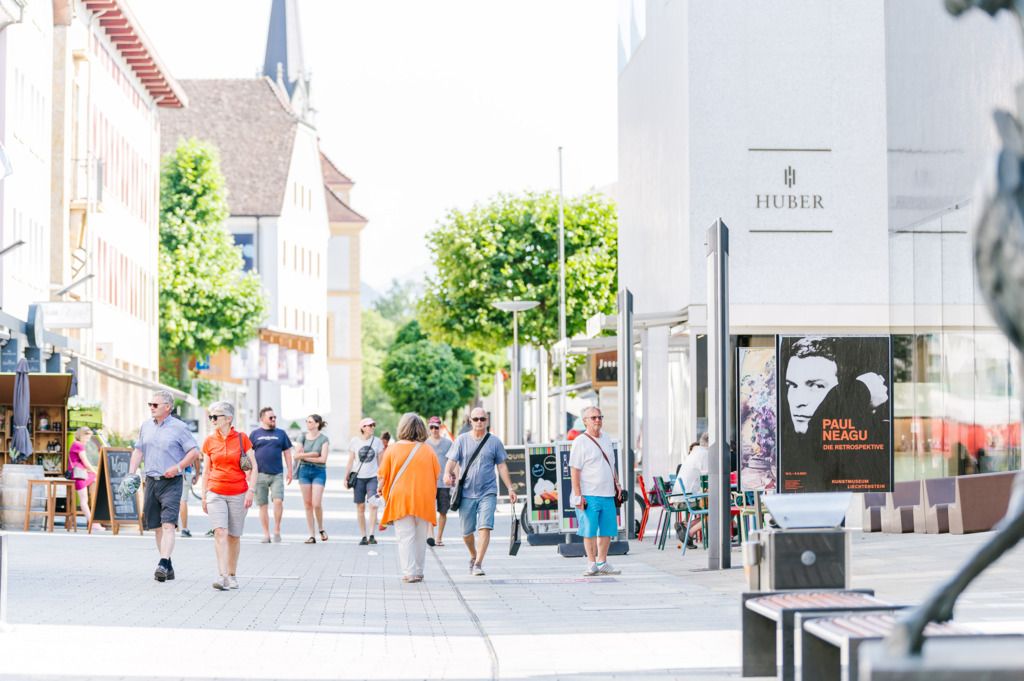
x=515, y=307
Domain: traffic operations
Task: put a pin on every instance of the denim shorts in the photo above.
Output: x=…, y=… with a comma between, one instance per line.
x=311, y=474
x=598, y=519
x=365, y=487
x=477, y=514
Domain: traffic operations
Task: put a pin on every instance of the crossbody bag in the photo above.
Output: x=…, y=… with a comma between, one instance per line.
x=457, y=492
x=620, y=496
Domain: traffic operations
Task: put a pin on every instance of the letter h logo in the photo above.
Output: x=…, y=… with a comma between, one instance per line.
x=789, y=176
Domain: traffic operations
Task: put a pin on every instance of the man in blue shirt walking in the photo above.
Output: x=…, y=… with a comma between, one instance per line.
x=271, y=445
x=167, y=447
x=480, y=488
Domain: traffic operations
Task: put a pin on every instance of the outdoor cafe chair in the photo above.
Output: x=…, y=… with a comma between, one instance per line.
x=691, y=508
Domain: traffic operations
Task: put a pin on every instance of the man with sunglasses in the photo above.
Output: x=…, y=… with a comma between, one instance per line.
x=595, y=482
x=166, y=447
x=272, y=445
x=479, y=487
x=441, y=445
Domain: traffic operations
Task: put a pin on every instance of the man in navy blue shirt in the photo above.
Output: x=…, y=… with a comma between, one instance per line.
x=271, y=444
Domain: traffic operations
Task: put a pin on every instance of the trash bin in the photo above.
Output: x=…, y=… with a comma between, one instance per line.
x=13, y=492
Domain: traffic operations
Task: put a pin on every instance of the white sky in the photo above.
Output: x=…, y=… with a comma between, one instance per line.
x=427, y=105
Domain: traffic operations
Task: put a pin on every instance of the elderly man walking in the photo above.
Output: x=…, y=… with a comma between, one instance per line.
x=595, y=484
x=472, y=460
x=167, y=448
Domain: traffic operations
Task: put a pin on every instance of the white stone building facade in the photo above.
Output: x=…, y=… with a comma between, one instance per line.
x=840, y=142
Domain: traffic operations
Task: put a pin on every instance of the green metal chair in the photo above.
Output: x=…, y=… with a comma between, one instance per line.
x=691, y=508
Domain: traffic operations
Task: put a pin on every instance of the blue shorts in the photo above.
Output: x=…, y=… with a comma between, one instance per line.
x=598, y=519
x=477, y=514
x=312, y=475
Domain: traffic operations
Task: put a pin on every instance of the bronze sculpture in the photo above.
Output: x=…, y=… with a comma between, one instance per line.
x=999, y=262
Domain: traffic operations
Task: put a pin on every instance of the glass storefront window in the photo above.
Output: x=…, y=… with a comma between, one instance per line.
x=956, y=377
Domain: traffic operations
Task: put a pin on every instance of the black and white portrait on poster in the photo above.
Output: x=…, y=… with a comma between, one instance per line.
x=835, y=413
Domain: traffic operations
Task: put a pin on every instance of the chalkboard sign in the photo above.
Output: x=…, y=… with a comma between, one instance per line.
x=516, y=463
x=542, y=484
x=107, y=507
x=567, y=512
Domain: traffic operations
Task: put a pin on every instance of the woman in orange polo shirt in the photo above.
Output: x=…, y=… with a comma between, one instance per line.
x=227, y=489
x=410, y=493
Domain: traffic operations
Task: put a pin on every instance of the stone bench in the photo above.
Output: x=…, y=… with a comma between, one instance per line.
x=937, y=495
x=871, y=505
x=768, y=620
x=980, y=502
x=898, y=514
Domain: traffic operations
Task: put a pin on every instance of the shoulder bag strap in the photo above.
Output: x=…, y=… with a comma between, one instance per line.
x=405, y=465
x=360, y=466
x=615, y=478
x=465, y=471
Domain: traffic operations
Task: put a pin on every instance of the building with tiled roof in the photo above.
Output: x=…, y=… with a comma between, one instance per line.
x=292, y=219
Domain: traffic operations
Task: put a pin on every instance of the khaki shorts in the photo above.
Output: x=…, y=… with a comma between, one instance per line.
x=227, y=511
x=269, y=486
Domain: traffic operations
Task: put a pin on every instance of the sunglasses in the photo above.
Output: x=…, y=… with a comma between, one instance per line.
x=271, y=418
x=370, y=425
x=214, y=417
x=435, y=427
x=154, y=405
x=478, y=419
x=598, y=417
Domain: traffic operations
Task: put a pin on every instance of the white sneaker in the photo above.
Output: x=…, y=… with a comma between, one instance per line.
x=231, y=582
x=221, y=583
x=591, y=570
x=606, y=569
x=478, y=571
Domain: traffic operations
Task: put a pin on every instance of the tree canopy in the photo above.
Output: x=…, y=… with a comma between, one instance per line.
x=506, y=249
x=424, y=377
x=378, y=334
x=206, y=302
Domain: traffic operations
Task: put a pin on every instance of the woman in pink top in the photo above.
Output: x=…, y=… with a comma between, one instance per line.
x=82, y=472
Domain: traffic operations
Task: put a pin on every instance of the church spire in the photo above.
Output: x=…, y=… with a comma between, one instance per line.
x=284, y=47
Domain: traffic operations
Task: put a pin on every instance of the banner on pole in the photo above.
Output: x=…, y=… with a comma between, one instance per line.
x=835, y=413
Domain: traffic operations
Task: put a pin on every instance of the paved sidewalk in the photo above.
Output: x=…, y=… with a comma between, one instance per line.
x=88, y=607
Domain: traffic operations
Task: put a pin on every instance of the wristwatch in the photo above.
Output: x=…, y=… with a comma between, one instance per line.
x=180, y=471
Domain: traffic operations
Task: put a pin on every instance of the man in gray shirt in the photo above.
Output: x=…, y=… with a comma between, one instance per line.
x=441, y=445
x=167, y=447
x=480, y=488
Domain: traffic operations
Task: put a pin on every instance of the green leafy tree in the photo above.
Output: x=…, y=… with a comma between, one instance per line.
x=507, y=248
x=207, y=303
x=399, y=303
x=409, y=333
x=424, y=377
x=378, y=335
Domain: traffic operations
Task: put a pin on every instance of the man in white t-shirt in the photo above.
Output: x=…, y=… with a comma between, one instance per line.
x=595, y=483
x=694, y=466
x=366, y=448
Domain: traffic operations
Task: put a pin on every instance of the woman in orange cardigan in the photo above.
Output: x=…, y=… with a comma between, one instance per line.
x=410, y=495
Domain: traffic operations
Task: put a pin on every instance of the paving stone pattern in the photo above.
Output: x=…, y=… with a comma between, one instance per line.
x=85, y=606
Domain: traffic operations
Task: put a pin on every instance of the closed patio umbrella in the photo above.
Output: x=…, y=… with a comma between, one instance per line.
x=22, y=443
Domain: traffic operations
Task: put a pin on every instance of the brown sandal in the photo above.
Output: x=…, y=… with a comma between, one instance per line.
x=311, y=540
x=323, y=536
